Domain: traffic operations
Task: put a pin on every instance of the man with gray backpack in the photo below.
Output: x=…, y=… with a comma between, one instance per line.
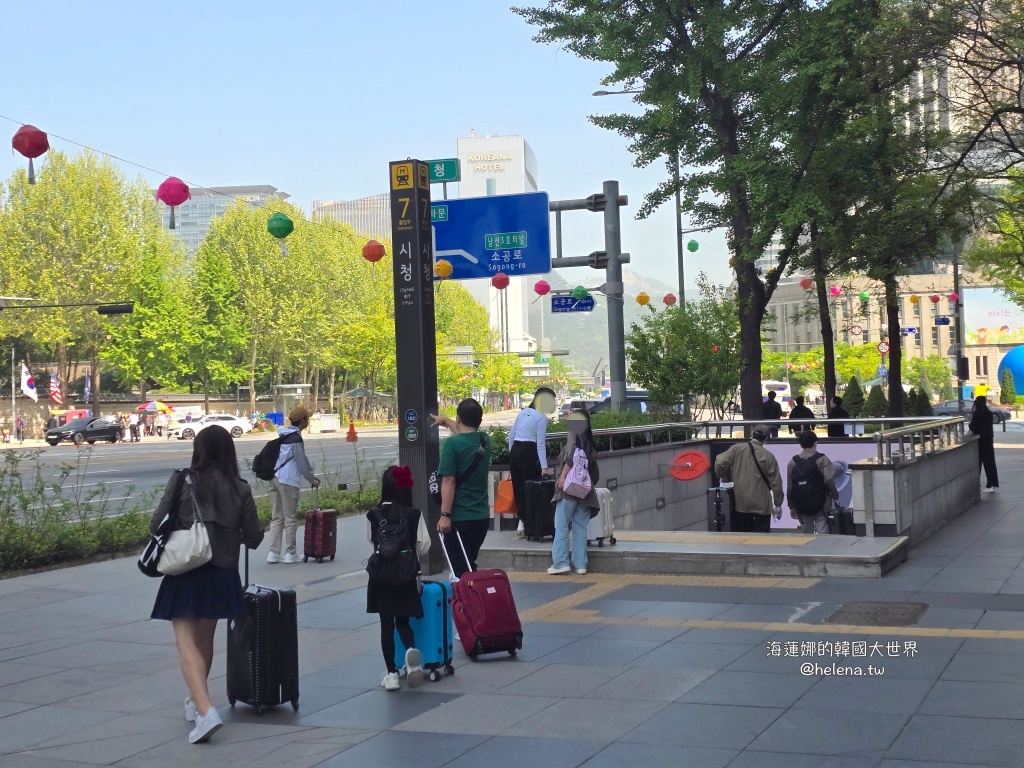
x=811, y=487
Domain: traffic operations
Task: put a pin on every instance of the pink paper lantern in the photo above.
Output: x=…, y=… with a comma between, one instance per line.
x=173, y=192
x=500, y=281
x=806, y=283
x=835, y=290
x=935, y=299
x=542, y=288
x=954, y=297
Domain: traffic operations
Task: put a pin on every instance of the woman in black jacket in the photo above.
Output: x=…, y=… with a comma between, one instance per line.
x=194, y=601
x=982, y=422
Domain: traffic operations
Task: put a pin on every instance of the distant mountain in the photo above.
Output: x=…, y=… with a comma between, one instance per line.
x=585, y=334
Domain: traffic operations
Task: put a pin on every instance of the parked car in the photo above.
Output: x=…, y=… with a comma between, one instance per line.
x=637, y=401
x=86, y=430
x=951, y=408
x=235, y=425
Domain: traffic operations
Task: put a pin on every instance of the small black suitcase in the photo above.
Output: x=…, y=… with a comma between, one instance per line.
x=263, y=648
x=539, y=515
x=840, y=521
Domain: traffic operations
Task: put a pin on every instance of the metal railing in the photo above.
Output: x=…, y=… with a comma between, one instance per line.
x=909, y=442
x=681, y=432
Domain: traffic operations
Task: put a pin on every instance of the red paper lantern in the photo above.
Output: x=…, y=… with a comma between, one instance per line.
x=32, y=143
x=670, y=299
x=954, y=298
x=373, y=251
x=173, y=192
x=806, y=283
x=500, y=281
x=542, y=288
x=935, y=299
x=714, y=348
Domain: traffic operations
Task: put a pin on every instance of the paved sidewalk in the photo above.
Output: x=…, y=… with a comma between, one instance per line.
x=696, y=671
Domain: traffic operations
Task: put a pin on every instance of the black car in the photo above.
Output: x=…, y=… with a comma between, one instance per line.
x=951, y=408
x=87, y=430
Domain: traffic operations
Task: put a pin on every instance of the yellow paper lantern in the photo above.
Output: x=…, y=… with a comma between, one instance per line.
x=443, y=269
x=914, y=299
x=643, y=299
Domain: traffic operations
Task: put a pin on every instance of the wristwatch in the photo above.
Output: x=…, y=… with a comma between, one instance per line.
x=446, y=514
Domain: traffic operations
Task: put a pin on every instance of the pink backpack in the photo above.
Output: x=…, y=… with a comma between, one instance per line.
x=577, y=481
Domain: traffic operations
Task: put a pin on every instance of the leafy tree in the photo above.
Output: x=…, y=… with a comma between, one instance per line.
x=853, y=399
x=913, y=403
x=999, y=252
x=876, y=404
x=946, y=392
x=1007, y=388
x=689, y=355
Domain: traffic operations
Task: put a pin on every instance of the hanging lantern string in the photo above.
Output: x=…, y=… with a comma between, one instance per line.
x=191, y=184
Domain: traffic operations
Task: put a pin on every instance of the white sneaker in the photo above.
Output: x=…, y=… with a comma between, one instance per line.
x=272, y=558
x=553, y=571
x=206, y=726
x=288, y=558
x=190, y=710
x=521, y=530
x=581, y=571
x=390, y=682
x=989, y=490
x=413, y=668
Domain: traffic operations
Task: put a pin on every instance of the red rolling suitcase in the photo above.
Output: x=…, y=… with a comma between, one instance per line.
x=485, y=612
x=321, y=536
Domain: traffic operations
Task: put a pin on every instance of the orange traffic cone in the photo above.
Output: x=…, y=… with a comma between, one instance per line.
x=351, y=437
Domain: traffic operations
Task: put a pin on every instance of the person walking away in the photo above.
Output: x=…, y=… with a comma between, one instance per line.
x=394, y=517
x=21, y=428
x=188, y=417
x=292, y=467
x=196, y=600
x=772, y=411
x=812, y=489
x=133, y=427
x=51, y=423
x=756, y=481
x=573, y=510
x=801, y=411
x=527, y=442
x=465, y=507
x=836, y=412
x=983, y=425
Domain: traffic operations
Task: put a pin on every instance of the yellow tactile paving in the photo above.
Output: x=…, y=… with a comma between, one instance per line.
x=565, y=610
x=683, y=537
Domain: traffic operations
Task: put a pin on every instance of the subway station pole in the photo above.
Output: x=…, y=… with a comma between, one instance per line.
x=614, y=291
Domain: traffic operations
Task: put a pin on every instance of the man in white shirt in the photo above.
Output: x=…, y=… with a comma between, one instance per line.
x=133, y=427
x=527, y=442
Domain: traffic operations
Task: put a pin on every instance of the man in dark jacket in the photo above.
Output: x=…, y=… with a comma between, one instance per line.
x=837, y=412
x=801, y=411
x=772, y=411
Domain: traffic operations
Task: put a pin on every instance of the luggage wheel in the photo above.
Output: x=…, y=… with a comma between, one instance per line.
x=305, y=559
x=232, y=702
x=433, y=676
x=449, y=671
x=512, y=652
x=332, y=558
x=319, y=561
x=474, y=657
x=257, y=710
x=612, y=540
x=295, y=705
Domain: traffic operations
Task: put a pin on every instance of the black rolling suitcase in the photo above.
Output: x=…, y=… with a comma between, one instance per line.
x=539, y=515
x=263, y=648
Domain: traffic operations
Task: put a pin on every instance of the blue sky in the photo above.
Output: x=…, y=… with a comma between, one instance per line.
x=317, y=98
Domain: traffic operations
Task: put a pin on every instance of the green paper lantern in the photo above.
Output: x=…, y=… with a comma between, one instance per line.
x=692, y=246
x=280, y=226
x=579, y=293
x=864, y=295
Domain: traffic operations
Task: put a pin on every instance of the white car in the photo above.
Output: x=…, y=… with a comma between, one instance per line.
x=235, y=425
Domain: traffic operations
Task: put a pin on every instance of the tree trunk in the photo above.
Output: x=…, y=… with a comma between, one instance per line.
x=142, y=389
x=95, y=386
x=63, y=368
x=751, y=312
x=892, y=311
x=252, y=377
x=330, y=390
x=316, y=389
x=206, y=392
x=825, y=313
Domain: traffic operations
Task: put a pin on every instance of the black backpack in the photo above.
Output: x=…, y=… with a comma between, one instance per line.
x=264, y=464
x=392, y=562
x=808, y=487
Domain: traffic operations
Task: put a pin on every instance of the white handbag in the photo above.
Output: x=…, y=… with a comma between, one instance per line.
x=188, y=549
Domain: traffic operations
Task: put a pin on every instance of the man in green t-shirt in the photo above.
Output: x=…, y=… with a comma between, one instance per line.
x=465, y=506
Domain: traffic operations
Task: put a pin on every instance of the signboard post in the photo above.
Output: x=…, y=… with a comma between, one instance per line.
x=482, y=236
x=443, y=171
x=416, y=356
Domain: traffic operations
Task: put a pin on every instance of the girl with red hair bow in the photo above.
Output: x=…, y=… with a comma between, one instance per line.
x=399, y=536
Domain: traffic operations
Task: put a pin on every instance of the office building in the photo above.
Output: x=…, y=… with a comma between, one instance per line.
x=369, y=217
x=193, y=217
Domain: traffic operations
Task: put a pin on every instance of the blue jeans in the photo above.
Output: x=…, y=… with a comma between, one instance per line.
x=568, y=513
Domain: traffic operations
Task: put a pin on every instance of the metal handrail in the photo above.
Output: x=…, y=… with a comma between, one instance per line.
x=937, y=434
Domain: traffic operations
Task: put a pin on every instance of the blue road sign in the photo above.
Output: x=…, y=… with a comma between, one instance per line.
x=942, y=321
x=882, y=371
x=570, y=304
x=411, y=416
x=483, y=236
x=910, y=329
